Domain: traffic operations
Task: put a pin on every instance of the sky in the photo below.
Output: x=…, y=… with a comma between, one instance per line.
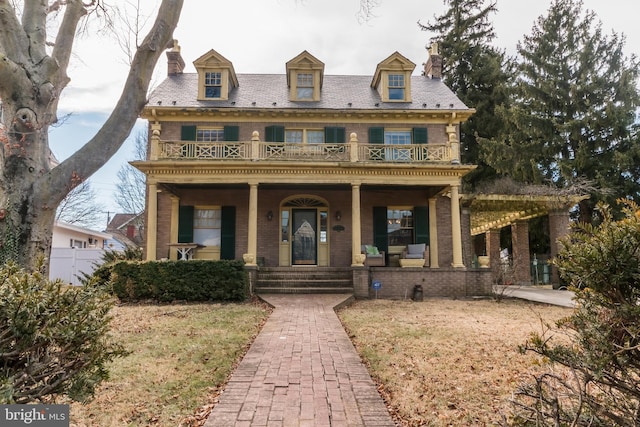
x=260, y=36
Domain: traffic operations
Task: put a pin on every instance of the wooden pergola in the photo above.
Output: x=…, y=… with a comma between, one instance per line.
x=491, y=212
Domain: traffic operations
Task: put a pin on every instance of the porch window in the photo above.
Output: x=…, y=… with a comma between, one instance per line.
x=206, y=226
x=302, y=136
x=210, y=135
x=400, y=226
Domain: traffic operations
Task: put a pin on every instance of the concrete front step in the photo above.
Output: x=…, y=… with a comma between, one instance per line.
x=303, y=290
x=296, y=280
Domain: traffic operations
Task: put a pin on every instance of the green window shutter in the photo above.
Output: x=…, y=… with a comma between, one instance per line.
x=228, y=233
x=231, y=133
x=421, y=224
x=380, y=238
x=376, y=135
x=420, y=136
x=185, y=224
x=188, y=133
x=274, y=134
x=334, y=135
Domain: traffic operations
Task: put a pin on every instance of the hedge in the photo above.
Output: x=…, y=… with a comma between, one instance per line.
x=166, y=281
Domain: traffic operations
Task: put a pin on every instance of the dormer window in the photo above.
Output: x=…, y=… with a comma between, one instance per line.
x=392, y=79
x=304, y=77
x=213, y=84
x=305, y=86
x=216, y=77
x=396, y=87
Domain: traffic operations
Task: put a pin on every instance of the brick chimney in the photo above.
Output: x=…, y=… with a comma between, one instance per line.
x=175, y=63
x=433, y=66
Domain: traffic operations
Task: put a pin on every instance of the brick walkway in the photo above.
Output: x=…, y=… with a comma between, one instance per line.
x=301, y=370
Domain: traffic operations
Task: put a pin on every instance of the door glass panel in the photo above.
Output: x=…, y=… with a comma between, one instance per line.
x=304, y=245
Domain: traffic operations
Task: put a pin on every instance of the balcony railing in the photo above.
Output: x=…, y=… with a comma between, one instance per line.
x=348, y=152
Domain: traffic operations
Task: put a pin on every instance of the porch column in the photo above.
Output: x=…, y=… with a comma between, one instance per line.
x=492, y=244
x=173, y=232
x=357, y=259
x=559, y=226
x=456, y=232
x=433, y=234
x=520, y=245
x=152, y=222
x=252, y=243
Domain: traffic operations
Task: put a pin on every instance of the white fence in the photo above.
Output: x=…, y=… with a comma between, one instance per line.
x=69, y=263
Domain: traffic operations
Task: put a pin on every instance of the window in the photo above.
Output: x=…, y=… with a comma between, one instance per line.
x=400, y=226
x=301, y=136
x=213, y=84
x=397, y=137
x=210, y=135
x=305, y=86
x=78, y=244
x=396, y=87
x=206, y=226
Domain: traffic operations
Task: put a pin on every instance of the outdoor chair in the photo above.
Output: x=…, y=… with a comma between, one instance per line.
x=374, y=257
x=418, y=251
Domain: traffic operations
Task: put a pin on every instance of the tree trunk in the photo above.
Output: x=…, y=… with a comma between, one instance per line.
x=30, y=86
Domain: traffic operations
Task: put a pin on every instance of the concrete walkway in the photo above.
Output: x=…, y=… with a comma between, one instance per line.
x=562, y=298
x=301, y=370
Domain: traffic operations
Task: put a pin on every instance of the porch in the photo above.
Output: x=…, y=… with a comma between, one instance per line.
x=391, y=282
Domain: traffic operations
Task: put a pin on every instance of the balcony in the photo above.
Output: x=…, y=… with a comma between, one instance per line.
x=352, y=151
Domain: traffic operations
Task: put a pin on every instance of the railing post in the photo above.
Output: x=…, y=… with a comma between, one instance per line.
x=353, y=147
x=255, y=145
x=155, y=140
x=454, y=144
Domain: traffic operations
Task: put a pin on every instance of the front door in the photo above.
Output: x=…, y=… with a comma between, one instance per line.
x=304, y=247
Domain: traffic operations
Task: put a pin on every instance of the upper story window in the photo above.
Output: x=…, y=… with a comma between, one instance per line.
x=396, y=87
x=305, y=85
x=397, y=137
x=301, y=136
x=210, y=135
x=213, y=84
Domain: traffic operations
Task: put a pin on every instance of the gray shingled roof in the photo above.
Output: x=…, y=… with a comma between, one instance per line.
x=263, y=90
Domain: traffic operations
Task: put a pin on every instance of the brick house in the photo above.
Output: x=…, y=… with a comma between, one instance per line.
x=295, y=172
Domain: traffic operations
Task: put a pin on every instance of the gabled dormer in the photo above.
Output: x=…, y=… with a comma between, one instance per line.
x=304, y=77
x=216, y=77
x=392, y=79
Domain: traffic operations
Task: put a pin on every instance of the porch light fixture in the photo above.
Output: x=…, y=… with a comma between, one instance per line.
x=338, y=215
x=269, y=215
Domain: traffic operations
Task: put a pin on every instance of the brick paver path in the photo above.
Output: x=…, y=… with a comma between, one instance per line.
x=301, y=370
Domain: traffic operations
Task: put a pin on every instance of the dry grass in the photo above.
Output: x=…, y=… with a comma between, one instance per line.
x=445, y=362
x=180, y=355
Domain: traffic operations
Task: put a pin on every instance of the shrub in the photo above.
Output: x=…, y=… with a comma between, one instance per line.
x=600, y=381
x=53, y=338
x=167, y=281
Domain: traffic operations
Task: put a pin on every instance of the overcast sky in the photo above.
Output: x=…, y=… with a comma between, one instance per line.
x=260, y=36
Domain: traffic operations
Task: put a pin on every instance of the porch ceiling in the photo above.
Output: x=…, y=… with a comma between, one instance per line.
x=494, y=211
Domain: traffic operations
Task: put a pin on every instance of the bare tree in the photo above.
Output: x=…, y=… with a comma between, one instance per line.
x=79, y=207
x=130, y=189
x=33, y=74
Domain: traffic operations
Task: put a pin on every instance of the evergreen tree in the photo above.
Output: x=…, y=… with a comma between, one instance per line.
x=476, y=71
x=572, y=108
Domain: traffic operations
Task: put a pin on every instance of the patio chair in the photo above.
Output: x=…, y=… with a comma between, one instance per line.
x=374, y=257
x=418, y=251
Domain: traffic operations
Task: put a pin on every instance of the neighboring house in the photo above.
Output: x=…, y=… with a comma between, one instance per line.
x=75, y=250
x=127, y=231
x=301, y=169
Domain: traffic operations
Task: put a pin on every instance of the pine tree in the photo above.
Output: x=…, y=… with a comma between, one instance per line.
x=476, y=71
x=572, y=108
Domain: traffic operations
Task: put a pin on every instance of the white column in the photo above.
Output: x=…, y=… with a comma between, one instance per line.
x=152, y=222
x=252, y=243
x=357, y=259
x=456, y=232
x=433, y=234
